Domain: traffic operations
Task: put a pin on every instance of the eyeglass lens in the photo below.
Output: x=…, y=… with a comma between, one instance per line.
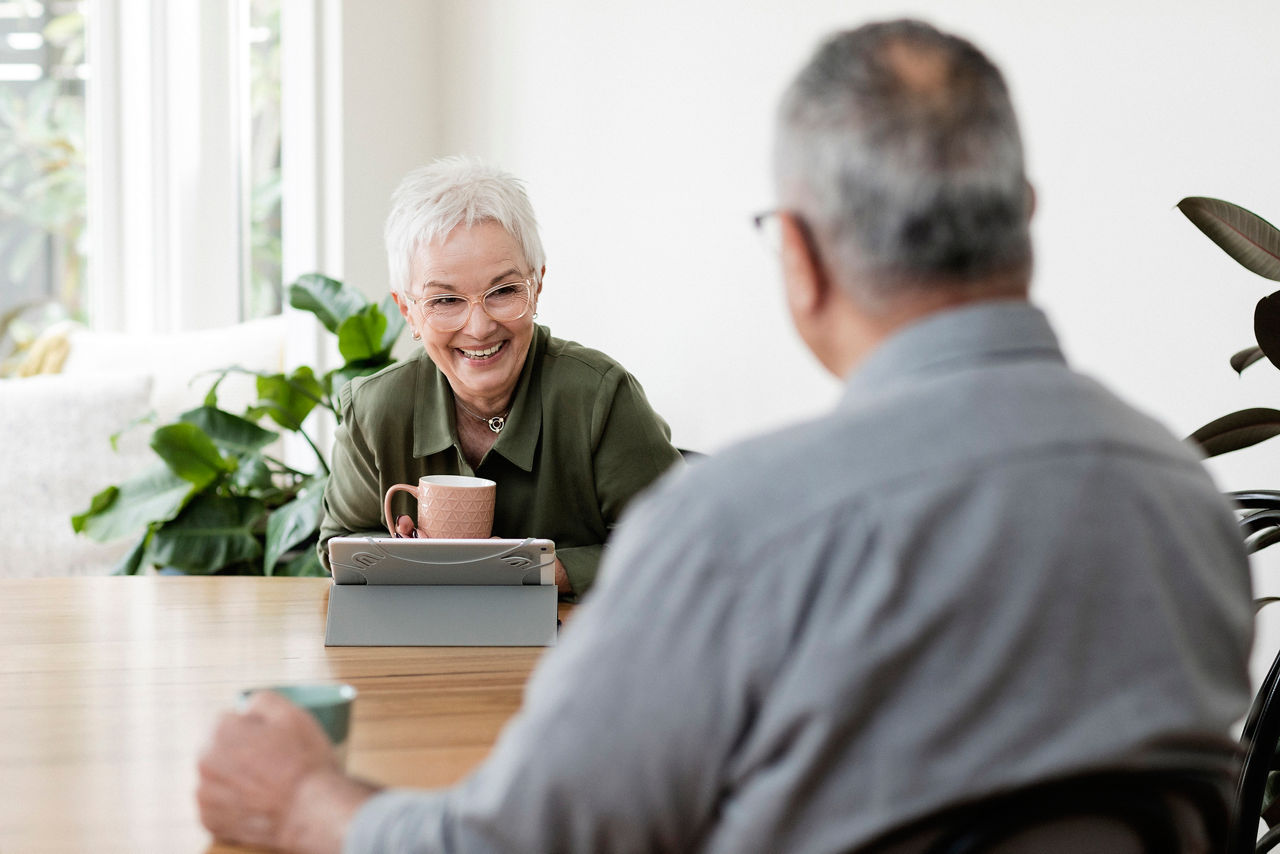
x=504, y=303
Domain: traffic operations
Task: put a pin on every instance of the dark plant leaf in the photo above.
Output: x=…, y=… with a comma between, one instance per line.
x=211, y=532
x=1245, y=236
x=1256, y=542
x=328, y=299
x=155, y=496
x=287, y=400
x=1270, y=807
x=1237, y=430
x=292, y=523
x=1266, y=327
x=229, y=432
x=1245, y=358
x=1256, y=499
x=1260, y=520
x=360, y=335
x=190, y=453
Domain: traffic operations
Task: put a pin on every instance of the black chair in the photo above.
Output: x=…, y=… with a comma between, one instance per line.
x=1259, y=517
x=1138, y=800
x=1259, y=738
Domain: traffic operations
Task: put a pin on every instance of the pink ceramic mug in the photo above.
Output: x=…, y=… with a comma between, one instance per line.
x=449, y=506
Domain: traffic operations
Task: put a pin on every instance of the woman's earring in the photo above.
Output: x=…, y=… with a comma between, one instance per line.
x=417, y=336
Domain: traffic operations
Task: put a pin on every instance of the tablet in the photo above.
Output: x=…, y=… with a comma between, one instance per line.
x=384, y=560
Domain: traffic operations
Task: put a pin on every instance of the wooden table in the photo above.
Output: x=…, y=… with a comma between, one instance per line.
x=110, y=686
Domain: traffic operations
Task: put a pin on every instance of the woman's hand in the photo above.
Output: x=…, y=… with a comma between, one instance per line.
x=405, y=527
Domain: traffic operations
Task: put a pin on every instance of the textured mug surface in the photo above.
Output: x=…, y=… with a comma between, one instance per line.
x=449, y=506
x=330, y=704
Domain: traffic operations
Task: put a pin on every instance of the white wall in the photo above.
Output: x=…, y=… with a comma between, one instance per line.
x=643, y=131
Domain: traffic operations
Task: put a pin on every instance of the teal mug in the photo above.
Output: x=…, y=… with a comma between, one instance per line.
x=329, y=703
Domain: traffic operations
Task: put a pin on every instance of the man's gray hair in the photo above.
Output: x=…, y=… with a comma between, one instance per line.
x=898, y=146
x=435, y=199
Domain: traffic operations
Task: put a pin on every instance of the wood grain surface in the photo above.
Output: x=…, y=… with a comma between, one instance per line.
x=110, y=686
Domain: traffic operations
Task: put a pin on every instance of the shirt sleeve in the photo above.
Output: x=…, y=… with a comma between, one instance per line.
x=632, y=451
x=352, y=490
x=624, y=738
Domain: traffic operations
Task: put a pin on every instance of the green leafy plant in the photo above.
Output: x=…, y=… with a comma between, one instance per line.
x=218, y=502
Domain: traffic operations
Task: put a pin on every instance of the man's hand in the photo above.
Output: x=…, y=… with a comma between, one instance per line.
x=269, y=778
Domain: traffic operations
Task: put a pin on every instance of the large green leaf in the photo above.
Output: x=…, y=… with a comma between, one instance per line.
x=360, y=335
x=1237, y=430
x=155, y=496
x=292, y=523
x=230, y=432
x=253, y=477
x=97, y=504
x=287, y=400
x=306, y=564
x=328, y=299
x=211, y=532
x=132, y=562
x=1245, y=236
x=190, y=453
x=339, y=377
x=395, y=324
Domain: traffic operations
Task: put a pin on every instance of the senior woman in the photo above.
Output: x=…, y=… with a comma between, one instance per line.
x=564, y=431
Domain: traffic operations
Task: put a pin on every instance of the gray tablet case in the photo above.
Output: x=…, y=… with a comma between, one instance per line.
x=415, y=592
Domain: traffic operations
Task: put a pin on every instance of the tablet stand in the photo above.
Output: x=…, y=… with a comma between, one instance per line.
x=441, y=615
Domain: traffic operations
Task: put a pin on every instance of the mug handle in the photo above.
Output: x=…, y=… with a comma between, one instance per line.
x=386, y=504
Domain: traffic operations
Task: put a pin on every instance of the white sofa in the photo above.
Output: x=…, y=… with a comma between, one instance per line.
x=55, y=430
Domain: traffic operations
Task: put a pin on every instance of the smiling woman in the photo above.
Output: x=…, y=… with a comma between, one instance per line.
x=564, y=430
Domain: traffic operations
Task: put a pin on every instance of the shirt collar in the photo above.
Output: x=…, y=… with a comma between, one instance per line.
x=434, y=429
x=982, y=332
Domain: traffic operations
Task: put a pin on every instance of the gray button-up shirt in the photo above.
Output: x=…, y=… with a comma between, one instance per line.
x=981, y=569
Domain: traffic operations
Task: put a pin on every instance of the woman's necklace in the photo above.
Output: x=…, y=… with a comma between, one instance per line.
x=496, y=423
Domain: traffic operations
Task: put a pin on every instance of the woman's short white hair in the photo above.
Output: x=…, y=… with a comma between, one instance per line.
x=435, y=199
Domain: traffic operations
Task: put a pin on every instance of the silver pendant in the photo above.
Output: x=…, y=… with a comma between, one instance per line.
x=496, y=423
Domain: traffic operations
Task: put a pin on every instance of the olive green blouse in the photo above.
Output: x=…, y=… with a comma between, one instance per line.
x=579, y=443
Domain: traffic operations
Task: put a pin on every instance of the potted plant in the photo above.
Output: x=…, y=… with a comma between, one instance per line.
x=1255, y=244
x=217, y=502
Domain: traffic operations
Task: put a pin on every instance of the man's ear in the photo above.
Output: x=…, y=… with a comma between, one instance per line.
x=802, y=270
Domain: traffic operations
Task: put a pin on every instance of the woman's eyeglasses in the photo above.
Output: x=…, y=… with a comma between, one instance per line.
x=449, y=312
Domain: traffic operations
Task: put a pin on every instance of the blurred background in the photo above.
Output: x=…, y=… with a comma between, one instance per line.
x=170, y=166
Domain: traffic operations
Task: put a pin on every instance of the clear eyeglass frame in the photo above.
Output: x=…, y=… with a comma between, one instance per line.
x=440, y=325
x=768, y=225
